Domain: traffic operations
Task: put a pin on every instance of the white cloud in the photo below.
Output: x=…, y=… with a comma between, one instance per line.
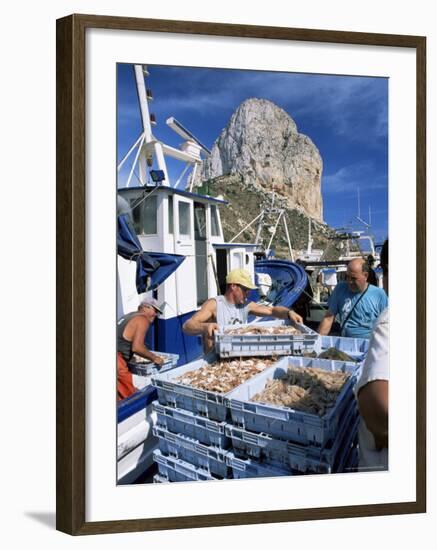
x=351, y=107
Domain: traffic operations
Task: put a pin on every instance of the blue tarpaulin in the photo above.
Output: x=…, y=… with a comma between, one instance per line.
x=153, y=268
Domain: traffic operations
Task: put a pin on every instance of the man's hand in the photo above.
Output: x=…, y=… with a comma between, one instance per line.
x=326, y=323
x=293, y=316
x=209, y=329
x=158, y=360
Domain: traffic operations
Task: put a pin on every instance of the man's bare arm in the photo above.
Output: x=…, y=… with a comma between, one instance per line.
x=139, y=328
x=280, y=312
x=373, y=406
x=326, y=323
x=203, y=321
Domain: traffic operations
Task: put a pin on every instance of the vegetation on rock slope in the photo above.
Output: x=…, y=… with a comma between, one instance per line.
x=245, y=203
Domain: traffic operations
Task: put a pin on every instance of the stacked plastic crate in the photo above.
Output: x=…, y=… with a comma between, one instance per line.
x=287, y=440
x=190, y=426
x=204, y=435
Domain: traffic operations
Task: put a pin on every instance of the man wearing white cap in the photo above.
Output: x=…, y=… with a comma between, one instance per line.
x=131, y=333
x=231, y=308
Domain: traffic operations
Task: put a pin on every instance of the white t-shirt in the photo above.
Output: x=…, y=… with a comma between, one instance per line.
x=375, y=368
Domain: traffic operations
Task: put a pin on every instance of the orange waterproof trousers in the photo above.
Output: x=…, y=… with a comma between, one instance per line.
x=125, y=385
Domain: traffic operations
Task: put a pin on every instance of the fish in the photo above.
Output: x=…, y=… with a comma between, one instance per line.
x=336, y=355
x=225, y=375
x=306, y=389
x=252, y=330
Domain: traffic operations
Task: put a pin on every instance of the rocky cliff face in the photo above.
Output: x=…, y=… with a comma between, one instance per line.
x=262, y=145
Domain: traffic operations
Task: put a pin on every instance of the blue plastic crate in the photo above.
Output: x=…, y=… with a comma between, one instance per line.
x=246, y=345
x=302, y=458
x=285, y=423
x=174, y=394
x=244, y=468
x=208, y=432
x=148, y=368
x=174, y=469
x=210, y=459
x=355, y=347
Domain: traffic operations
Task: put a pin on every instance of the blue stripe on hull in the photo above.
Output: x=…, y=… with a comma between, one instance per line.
x=136, y=402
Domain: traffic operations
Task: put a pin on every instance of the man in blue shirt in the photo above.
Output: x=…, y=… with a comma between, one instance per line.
x=356, y=303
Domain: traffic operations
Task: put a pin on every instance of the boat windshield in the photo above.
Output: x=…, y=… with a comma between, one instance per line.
x=366, y=245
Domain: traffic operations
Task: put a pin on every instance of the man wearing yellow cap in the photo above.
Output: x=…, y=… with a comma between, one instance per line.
x=232, y=308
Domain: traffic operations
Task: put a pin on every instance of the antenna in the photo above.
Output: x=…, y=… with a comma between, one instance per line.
x=186, y=134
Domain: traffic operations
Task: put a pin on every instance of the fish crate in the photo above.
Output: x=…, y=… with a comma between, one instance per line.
x=147, y=367
x=293, y=456
x=208, y=432
x=210, y=459
x=286, y=423
x=245, y=345
x=174, y=394
x=244, y=468
x=356, y=348
x=175, y=469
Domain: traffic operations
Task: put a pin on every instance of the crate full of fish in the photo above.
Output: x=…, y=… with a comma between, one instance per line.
x=210, y=459
x=298, y=399
x=206, y=431
x=175, y=469
x=341, y=348
x=201, y=386
x=145, y=367
x=264, y=338
x=267, y=449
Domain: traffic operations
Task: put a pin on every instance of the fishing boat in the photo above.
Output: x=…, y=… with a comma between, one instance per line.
x=324, y=274
x=171, y=245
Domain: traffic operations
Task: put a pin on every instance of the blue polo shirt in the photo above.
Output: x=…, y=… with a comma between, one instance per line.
x=368, y=309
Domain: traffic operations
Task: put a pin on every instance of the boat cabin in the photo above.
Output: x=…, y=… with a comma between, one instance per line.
x=173, y=221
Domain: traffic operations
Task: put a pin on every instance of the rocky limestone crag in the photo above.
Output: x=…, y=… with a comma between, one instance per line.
x=262, y=145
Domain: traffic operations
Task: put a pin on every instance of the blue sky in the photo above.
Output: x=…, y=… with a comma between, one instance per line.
x=346, y=117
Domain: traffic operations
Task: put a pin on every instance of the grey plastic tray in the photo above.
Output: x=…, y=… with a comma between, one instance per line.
x=285, y=423
x=244, y=345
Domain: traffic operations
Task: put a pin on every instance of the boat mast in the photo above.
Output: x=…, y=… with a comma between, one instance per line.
x=149, y=141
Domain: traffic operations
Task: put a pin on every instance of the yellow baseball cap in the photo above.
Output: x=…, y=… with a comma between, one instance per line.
x=240, y=277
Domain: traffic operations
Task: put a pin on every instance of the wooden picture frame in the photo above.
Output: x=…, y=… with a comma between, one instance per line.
x=71, y=275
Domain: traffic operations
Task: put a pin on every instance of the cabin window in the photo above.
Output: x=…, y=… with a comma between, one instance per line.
x=150, y=216
x=215, y=228
x=184, y=219
x=237, y=260
x=170, y=214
